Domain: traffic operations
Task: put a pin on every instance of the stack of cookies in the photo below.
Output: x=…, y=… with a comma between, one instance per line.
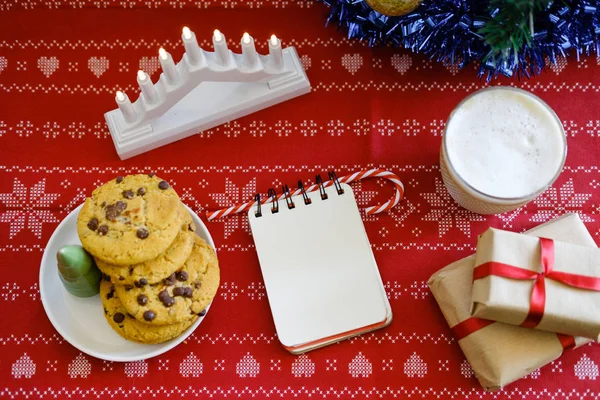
x=158, y=275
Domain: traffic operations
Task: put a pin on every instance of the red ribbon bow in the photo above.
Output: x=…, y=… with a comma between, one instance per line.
x=538, y=294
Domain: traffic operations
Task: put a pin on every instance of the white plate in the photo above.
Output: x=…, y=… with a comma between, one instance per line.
x=80, y=321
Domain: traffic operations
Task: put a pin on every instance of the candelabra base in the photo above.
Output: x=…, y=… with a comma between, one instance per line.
x=208, y=105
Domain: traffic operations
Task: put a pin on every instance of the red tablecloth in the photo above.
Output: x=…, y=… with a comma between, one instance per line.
x=61, y=62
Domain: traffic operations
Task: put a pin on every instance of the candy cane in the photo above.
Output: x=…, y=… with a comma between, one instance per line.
x=357, y=176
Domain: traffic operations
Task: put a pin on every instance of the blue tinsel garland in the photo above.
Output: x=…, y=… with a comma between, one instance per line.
x=447, y=31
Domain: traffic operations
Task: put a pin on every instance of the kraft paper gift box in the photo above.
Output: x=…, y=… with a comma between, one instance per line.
x=500, y=353
x=544, y=284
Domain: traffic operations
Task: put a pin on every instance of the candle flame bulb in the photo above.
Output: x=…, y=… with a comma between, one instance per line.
x=187, y=33
x=168, y=66
x=193, y=53
x=148, y=89
x=275, y=52
x=217, y=35
x=246, y=38
x=162, y=53
x=248, y=51
x=125, y=106
x=220, y=46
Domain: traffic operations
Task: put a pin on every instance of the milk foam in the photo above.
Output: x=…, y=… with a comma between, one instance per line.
x=505, y=143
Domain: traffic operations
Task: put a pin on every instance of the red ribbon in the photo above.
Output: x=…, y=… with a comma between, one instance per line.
x=473, y=324
x=538, y=294
x=468, y=326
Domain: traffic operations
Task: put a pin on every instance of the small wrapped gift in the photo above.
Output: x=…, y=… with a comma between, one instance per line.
x=537, y=283
x=499, y=353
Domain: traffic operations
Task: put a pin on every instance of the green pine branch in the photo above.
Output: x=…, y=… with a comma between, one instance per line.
x=511, y=28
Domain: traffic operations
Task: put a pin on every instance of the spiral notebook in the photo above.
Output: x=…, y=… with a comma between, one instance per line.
x=320, y=274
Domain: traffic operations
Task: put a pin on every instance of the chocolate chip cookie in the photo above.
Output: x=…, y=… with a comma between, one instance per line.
x=130, y=220
x=131, y=329
x=179, y=297
x=153, y=271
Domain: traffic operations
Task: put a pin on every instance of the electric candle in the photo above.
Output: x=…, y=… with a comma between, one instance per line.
x=260, y=81
x=148, y=89
x=125, y=106
x=191, y=46
x=168, y=66
x=248, y=50
x=275, y=51
x=220, y=46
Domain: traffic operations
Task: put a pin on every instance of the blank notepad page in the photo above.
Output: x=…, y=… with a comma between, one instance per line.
x=318, y=267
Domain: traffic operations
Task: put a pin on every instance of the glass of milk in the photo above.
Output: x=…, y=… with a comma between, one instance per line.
x=501, y=148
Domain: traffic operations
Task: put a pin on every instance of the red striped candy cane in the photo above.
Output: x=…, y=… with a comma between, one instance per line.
x=356, y=176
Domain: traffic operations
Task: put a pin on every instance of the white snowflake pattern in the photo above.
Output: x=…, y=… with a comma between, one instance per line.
x=447, y=213
x=231, y=196
x=508, y=217
x=555, y=202
x=402, y=211
x=364, y=199
x=28, y=208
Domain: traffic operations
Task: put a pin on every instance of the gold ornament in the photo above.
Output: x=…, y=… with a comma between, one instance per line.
x=394, y=8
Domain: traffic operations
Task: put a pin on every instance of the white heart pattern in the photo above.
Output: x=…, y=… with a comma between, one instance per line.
x=247, y=367
x=80, y=367
x=306, y=62
x=401, y=63
x=190, y=367
x=136, y=369
x=360, y=366
x=303, y=367
x=24, y=367
x=149, y=64
x=534, y=374
x=466, y=370
x=98, y=65
x=3, y=63
x=558, y=66
x=415, y=366
x=352, y=62
x=586, y=368
x=48, y=65
x=453, y=68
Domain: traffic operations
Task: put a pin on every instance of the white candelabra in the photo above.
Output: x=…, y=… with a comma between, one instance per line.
x=203, y=90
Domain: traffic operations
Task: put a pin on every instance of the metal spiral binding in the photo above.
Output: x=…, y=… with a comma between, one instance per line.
x=336, y=182
x=307, y=199
x=258, y=211
x=274, y=199
x=288, y=196
x=322, y=191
